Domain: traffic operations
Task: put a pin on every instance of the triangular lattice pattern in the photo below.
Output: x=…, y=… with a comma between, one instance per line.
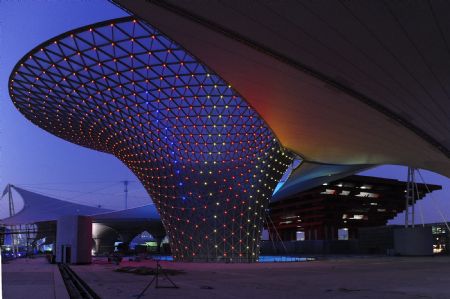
x=207, y=159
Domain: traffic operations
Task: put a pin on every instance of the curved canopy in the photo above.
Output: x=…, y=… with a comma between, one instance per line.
x=38, y=208
x=309, y=175
x=44, y=210
x=147, y=212
x=128, y=223
x=339, y=82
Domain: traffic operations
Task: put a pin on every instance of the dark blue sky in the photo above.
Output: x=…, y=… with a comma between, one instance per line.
x=39, y=161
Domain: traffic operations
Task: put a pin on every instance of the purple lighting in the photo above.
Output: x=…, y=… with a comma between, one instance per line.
x=123, y=88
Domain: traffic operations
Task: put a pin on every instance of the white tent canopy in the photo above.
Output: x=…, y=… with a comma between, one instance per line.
x=39, y=208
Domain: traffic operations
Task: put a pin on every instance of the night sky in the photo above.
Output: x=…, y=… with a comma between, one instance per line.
x=41, y=162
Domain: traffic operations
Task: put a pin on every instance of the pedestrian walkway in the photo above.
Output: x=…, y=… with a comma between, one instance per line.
x=32, y=278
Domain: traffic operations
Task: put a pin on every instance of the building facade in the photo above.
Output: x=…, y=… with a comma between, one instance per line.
x=336, y=210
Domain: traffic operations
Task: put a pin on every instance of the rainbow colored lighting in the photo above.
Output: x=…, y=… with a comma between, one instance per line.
x=206, y=158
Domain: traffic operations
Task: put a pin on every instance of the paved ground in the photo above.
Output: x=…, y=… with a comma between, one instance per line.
x=32, y=278
x=345, y=277
x=372, y=277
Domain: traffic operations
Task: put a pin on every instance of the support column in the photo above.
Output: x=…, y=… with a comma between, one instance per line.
x=217, y=213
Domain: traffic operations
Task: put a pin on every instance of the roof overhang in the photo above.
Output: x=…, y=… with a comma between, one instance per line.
x=317, y=114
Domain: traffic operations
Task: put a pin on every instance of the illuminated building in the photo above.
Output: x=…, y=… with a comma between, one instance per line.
x=208, y=160
x=344, y=205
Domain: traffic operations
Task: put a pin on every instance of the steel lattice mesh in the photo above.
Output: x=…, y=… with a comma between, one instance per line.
x=207, y=159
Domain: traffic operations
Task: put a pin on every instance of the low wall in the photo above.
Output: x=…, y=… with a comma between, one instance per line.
x=310, y=247
x=416, y=241
x=389, y=240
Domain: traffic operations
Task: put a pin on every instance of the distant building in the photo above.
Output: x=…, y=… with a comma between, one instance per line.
x=336, y=210
x=441, y=237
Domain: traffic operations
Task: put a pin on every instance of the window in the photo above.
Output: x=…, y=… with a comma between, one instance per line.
x=300, y=236
x=343, y=234
x=328, y=191
x=368, y=195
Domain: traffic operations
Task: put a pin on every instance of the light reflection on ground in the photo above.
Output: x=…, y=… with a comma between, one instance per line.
x=262, y=258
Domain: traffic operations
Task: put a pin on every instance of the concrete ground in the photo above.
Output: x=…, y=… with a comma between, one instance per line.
x=345, y=277
x=32, y=278
x=337, y=277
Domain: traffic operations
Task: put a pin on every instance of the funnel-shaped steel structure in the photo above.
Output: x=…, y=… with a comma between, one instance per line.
x=207, y=159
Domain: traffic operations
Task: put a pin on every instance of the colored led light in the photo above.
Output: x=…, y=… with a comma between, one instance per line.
x=205, y=157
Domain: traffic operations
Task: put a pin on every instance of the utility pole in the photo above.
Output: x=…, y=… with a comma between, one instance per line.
x=125, y=184
x=410, y=199
x=10, y=201
x=413, y=197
